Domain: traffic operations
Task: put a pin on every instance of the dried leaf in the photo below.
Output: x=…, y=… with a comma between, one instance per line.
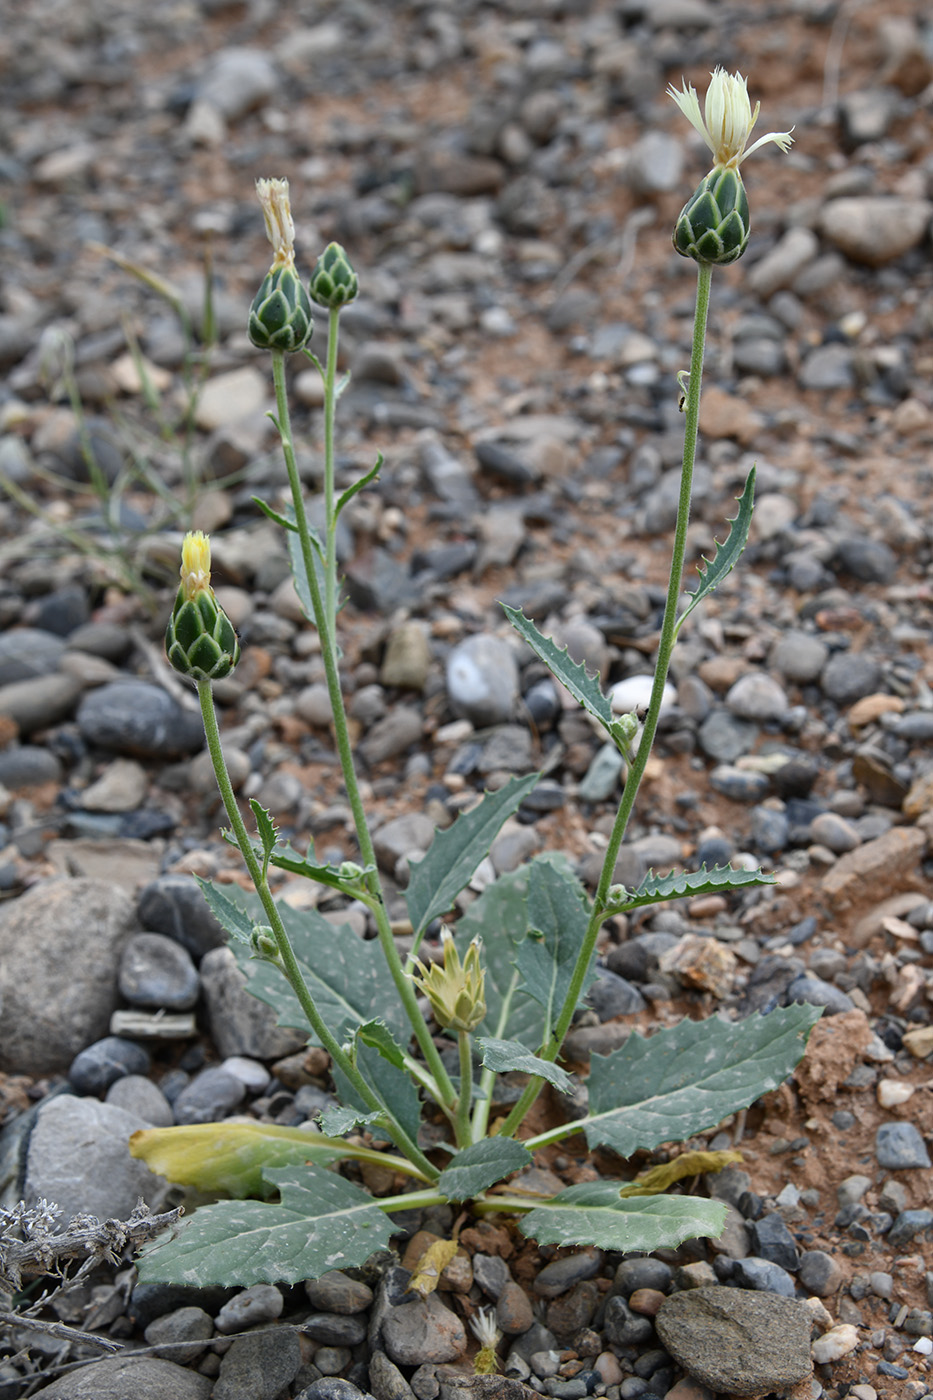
x=433, y=1262
x=657, y=1179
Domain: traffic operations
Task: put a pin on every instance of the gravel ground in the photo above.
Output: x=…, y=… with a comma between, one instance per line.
x=505, y=178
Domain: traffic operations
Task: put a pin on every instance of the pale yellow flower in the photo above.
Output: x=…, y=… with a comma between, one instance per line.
x=455, y=990
x=729, y=119
x=195, y=563
x=277, y=213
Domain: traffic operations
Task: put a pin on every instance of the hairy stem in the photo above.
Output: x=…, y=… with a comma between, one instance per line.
x=636, y=770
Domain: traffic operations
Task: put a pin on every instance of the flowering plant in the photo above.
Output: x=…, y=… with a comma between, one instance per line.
x=507, y=999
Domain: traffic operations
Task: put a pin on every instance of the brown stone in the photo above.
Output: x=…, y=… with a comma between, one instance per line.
x=876, y=869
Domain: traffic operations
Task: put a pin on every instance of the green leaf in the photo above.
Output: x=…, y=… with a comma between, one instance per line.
x=481, y=1165
x=713, y=571
x=377, y=1035
x=500, y=917
x=271, y=514
x=345, y=975
x=687, y=1078
x=656, y=889
x=231, y=917
x=505, y=1055
x=594, y=1213
x=358, y=486
x=557, y=913
x=322, y=1222
x=228, y=1158
x=285, y=857
x=299, y=573
x=584, y=689
x=454, y=854
x=337, y=1121
x=265, y=826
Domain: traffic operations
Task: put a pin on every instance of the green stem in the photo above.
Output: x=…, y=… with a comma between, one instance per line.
x=462, y=1121
x=487, y=1080
x=330, y=514
x=637, y=768
x=326, y=625
x=410, y=1200
x=286, y=953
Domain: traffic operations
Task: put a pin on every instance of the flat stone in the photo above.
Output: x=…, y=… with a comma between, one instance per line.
x=875, y=229
x=876, y=869
x=744, y=1343
x=900, y=1147
x=142, y=720
x=145, y=1378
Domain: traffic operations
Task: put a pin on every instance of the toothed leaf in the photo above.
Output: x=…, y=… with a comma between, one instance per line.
x=584, y=689
x=713, y=571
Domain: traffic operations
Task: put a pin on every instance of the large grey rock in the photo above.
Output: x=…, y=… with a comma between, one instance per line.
x=876, y=229
x=143, y=1378
x=60, y=945
x=745, y=1343
x=79, y=1157
x=240, y=1024
x=137, y=718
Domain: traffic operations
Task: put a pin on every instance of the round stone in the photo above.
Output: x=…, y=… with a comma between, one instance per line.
x=847, y=676
x=757, y=697
x=137, y=718
x=157, y=972
x=96, y=1068
x=482, y=680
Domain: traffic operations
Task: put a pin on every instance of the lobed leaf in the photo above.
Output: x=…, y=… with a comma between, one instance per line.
x=656, y=889
x=584, y=689
x=505, y=1055
x=232, y=917
x=482, y=1164
x=322, y=1222
x=454, y=854
x=594, y=1213
x=713, y=571
x=687, y=1078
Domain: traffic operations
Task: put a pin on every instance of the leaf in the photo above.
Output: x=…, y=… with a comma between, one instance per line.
x=265, y=826
x=299, y=573
x=228, y=1158
x=713, y=571
x=505, y=1055
x=687, y=1078
x=659, y=1178
x=426, y=1274
x=322, y=1222
x=500, y=916
x=358, y=486
x=656, y=889
x=594, y=1213
x=557, y=912
x=285, y=857
x=271, y=514
x=345, y=975
x=454, y=854
x=337, y=1121
x=482, y=1164
x=378, y=1035
x=584, y=689
x=231, y=917
x=394, y=1087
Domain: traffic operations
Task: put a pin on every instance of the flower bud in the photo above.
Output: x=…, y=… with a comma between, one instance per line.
x=455, y=991
x=713, y=226
x=333, y=281
x=199, y=640
x=280, y=317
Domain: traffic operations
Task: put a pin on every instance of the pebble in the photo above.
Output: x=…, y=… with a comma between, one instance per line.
x=422, y=1330
x=211, y=1096
x=799, y=657
x=259, y=1367
x=561, y=1274
x=514, y=1314
x=184, y=1333
x=335, y=1292
x=762, y=1274
x=875, y=229
x=143, y=1099
x=770, y=1239
x=482, y=680
x=139, y=719
x=899, y=1146
x=611, y=996
x=255, y=1306
x=820, y=1273
x=816, y=992
x=239, y=1023
x=116, y=1377
x=835, y=1343
x=757, y=697
x=101, y=1064
x=175, y=906
x=848, y=676
x=155, y=971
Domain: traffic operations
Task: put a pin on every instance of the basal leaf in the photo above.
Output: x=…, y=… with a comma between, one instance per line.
x=505, y=1055
x=345, y=975
x=659, y=1178
x=594, y=1213
x=713, y=571
x=687, y=1078
x=584, y=689
x=558, y=916
x=481, y=1165
x=454, y=854
x=656, y=889
x=232, y=917
x=228, y=1158
x=322, y=1222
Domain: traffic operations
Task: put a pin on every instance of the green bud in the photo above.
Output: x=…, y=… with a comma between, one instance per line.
x=199, y=640
x=264, y=944
x=280, y=317
x=333, y=281
x=713, y=226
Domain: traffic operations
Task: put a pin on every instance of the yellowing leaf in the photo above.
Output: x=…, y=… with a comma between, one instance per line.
x=658, y=1179
x=433, y=1262
x=228, y=1158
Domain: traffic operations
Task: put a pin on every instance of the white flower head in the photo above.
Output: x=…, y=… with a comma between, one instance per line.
x=277, y=212
x=484, y=1328
x=729, y=119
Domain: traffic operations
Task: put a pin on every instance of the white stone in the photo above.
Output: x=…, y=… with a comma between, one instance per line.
x=837, y=1342
x=634, y=693
x=892, y=1092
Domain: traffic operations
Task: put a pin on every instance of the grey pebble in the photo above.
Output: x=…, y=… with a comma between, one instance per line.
x=211, y=1096
x=508, y=749
x=25, y=765
x=93, y=1070
x=336, y=1292
x=602, y=777
x=770, y=1239
x=259, y=1367
x=116, y=1377
x=330, y=1388
x=422, y=1330
x=611, y=996
x=184, y=1333
x=816, y=992
x=623, y=1327
x=900, y=1146
x=27, y=653
x=393, y=735
x=142, y=720
x=561, y=1274
x=241, y=1024
x=155, y=971
x=39, y=703
x=757, y=697
x=820, y=1273
x=799, y=657
x=848, y=676
x=136, y=1094
x=175, y=905
x=647, y=1272
x=834, y=832
x=724, y=737
x=385, y=1379
x=409, y=834
x=908, y=1224
x=482, y=680
x=828, y=367
x=761, y=1274
x=336, y=1329
x=491, y=1272
x=868, y=560
x=251, y=1307
x=770, y=829
x=738, y=784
